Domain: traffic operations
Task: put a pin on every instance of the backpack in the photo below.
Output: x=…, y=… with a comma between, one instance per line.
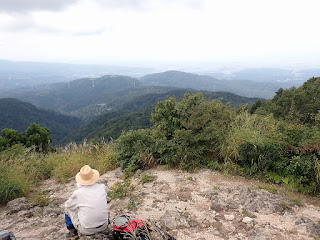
x=6, y=235
x=127, y=227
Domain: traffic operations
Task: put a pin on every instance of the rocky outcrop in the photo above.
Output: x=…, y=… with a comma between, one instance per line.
x=203, y=205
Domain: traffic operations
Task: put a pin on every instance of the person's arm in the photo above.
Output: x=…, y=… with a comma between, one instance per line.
x=71, y=203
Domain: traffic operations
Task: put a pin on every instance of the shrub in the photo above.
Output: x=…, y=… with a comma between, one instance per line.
x=133, y=149
x=188, y=132
x=259, y=158
x=145, y=178
x=12, y=186
x=120, y=189
x=258, y=130
x=40, y=198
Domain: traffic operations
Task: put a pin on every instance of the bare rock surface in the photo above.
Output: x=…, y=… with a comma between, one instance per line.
x=204, y=205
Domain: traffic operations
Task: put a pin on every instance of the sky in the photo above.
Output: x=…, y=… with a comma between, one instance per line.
x=107, y=31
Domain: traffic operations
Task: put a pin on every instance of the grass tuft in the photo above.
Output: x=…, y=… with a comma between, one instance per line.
x=268, y=188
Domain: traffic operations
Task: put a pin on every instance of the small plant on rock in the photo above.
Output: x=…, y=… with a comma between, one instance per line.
x=145, y=178
x=120, y=189
x=41, y=198
x=268, y=188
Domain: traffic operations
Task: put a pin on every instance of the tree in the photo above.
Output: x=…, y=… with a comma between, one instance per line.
x=38, y=136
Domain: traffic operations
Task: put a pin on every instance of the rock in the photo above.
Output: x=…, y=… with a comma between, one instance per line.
x=311, y=227
x=18, y=205
x=259, y=234
x=184, y=196
x=229, y=217
x=171, y=220
x=219, y=204
x=262, y=201
x=247, y=220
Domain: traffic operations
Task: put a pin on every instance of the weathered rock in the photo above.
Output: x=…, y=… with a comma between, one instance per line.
x=229, y=217
x=18, y=205
x=311, y=227
x=177, y=220
x=184, y=196
x=179, y=207
x=259, y=234
x=219, y=204
x=262, y=201
x=247, y=220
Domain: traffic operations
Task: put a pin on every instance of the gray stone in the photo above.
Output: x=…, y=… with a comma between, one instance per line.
x=247, y=220
x=229, y=217
x=259, y=234
x=311, y=227
x=18, y=205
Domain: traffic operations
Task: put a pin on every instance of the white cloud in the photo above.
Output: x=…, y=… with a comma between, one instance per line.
x=23, y=6
x=166, y=30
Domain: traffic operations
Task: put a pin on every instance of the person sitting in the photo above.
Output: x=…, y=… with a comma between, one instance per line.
x=86, y=209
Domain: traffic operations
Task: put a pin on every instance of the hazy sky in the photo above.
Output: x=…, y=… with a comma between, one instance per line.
x=92, y=31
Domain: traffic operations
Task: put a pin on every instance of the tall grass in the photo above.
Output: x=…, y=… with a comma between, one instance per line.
x=255, y=129
x=21, y=168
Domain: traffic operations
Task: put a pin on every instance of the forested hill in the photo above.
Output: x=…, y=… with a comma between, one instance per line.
x=135, y=113
x=19, y=115
x=296, y=104
x=246, y=88
x=71, y=96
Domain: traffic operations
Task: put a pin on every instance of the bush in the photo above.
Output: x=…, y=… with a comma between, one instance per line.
x=188, y=132
x=259, y=158
x=133, y=149
x=255, y=129
x=12, y=186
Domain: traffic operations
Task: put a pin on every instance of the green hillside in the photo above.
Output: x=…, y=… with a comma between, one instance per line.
x=296, y=104
x=19, y=115
x=68, y=97
x=135, y=113
x=241, y=87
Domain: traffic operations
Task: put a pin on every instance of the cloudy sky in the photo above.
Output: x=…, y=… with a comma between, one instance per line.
x=94, y=31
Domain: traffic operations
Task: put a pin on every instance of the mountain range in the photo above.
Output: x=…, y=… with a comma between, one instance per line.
x=106, y=105
x=19, y=115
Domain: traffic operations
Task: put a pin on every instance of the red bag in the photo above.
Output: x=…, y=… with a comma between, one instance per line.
x=127, y=227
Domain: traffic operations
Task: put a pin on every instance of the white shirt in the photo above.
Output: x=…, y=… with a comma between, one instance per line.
x=91, y=204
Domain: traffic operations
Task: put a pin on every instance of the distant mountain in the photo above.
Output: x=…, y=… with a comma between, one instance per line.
x=19, y=115
x=246, y=88
x=15, y=75
x=71, y=97
x=90, y=97
x=135, y=113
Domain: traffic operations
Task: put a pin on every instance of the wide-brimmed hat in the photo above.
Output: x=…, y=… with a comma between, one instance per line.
x=87, y=176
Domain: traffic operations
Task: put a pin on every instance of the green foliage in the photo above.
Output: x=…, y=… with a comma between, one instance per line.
x=40, y=198
x=133, y=205
x=39, y=137
x=296, y=104
x=244, y=128
x=268, y=188
x=259, y=158
x=120, y=189
x=22, y=169
x=145, y=178
x=188, y=131
x=19, y=115
x=11, y=185
x=134, y=149
x=255, y=106
x=35, y=136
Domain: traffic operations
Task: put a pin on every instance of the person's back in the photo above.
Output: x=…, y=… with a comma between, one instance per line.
x=86, y=209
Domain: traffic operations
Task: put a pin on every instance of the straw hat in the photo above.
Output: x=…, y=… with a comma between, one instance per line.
x=87, y=176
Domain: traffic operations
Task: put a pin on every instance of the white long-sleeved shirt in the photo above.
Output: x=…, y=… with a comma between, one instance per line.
x=91, y=203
